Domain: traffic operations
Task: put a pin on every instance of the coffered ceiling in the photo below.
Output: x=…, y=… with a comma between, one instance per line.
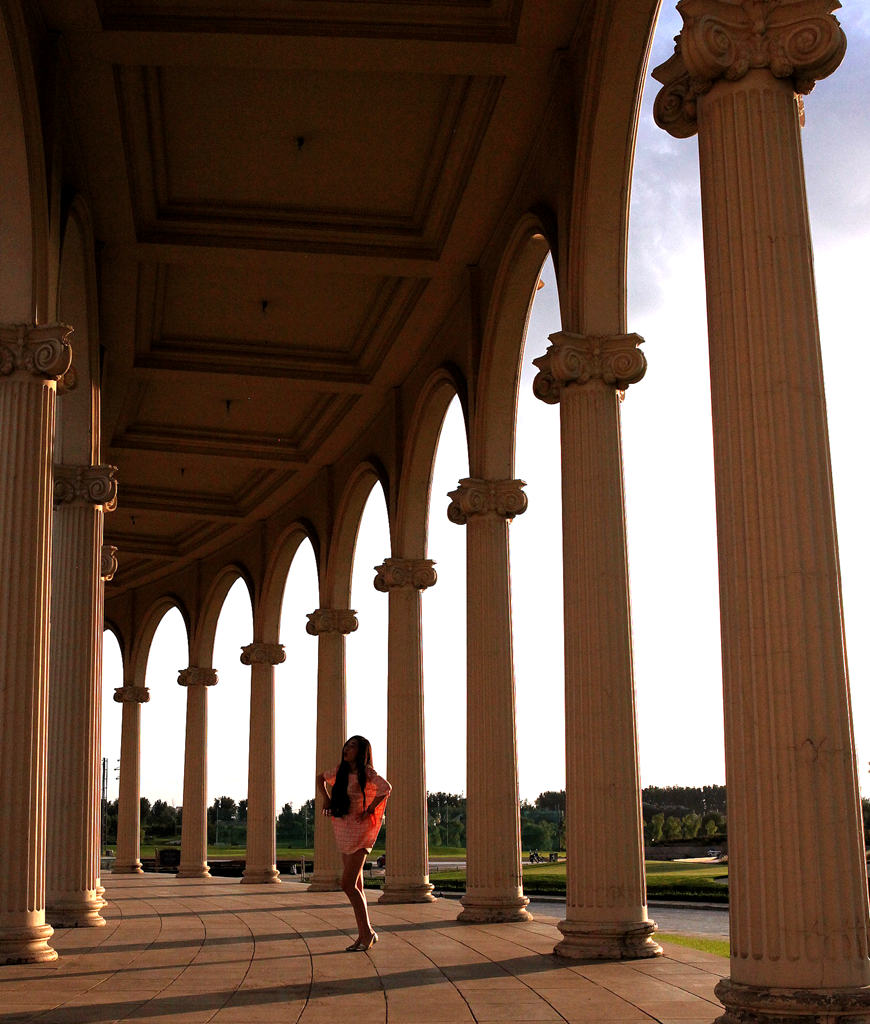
x=279, y=189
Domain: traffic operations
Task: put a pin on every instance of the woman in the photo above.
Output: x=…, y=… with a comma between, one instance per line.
x=355, y=796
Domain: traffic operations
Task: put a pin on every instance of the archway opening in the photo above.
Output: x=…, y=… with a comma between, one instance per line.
x=228, y=718
x=444, y=631
x=367, y=647
x=162, y=733
x=296, y=707
x=536, y=592
x=668, y=463
x=110, y=736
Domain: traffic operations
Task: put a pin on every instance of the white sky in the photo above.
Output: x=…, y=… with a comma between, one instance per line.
x=670, y=513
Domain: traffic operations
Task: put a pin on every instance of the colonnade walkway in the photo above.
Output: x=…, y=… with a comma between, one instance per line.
x=209, y=950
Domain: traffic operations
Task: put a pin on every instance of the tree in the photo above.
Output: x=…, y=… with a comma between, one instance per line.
x=673, y=828
x=144, y=808
x=691, y=825
x=551, y=800
x=242, y=813
x=111, y=833
x=162, y=819
x=286, y=819
x=537, y=835
x=713, y=824
x=227, y=807
x=656, y=828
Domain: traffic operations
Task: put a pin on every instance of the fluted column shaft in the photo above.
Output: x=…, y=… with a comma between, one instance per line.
x=108, y=568
x=407, y=879
x=73, y=836
x=127, y=850
x=796, y=855
x=260, y=864
x=606, y=914
x=31, y=360
x=194, y=821
x=494, y=888
x=799, y=907
x=330, y=626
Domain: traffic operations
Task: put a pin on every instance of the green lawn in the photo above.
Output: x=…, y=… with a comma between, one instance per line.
x=665, y=879
x=719, y=947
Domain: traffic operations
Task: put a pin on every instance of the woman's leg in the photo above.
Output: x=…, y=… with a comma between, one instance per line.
x=352, y=886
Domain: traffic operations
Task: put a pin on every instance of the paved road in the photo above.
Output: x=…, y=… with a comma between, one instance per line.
x=678, y=920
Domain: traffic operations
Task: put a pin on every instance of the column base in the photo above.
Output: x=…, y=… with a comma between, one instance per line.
x=602, y=940
x=480, y=909
x=82, y=911
x=325, y=881
x=261, y=876
x=134, y=868
x=28, y=945
x=101, y=896
x=193, y=871
x=757, y=1004
x=404, y=893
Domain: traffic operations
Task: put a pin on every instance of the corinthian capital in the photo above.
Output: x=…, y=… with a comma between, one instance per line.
x=797, y=39
x=262, y=654
x=195, y=676
x=580, y=358
x=473, y=497
x=418, y=573
x=86, y=485
x=132, y=695
x=331, y=620
x=108, y=562
x=41, y=351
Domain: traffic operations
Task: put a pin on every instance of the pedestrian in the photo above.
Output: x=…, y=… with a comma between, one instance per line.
x=355, y=796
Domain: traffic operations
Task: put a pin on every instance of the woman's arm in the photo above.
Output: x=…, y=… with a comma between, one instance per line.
x=376, y=803
x=382, y=790
x=325, y=791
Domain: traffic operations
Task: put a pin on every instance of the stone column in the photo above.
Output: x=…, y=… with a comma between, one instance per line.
x=31, y=361
x=407, y=881
x=194, y=821
x=108, y=568
x=330, y=626
x=260, y=865
x=81, y=493
x=605, y=915
x=127, y=850
x=799, y=908
x=494, y=890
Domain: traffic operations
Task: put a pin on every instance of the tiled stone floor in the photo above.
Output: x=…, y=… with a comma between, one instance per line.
x=182, y=951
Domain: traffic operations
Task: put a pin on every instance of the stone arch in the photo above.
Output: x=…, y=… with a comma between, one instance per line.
x=491, y=448
x=267, y=614
x=203, y=634
x=591, y=270
x=335, y=591
x=415, y=482
x=77, y=439
x=23, y=191
x=141, y=646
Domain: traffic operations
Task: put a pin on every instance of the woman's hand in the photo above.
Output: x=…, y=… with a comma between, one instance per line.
x=326, y=809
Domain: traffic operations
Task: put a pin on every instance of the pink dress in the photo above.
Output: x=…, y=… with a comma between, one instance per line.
x=352, y=833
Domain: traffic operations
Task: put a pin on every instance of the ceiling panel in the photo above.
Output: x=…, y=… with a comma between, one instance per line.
x=337, y=162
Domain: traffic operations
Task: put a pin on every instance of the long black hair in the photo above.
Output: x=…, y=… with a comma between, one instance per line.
x=339, y=801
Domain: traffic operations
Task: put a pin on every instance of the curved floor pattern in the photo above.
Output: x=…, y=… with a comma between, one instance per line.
x=208, y=951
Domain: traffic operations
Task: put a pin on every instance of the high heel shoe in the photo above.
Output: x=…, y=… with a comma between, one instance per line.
x=371, y=942
x=355, y=947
